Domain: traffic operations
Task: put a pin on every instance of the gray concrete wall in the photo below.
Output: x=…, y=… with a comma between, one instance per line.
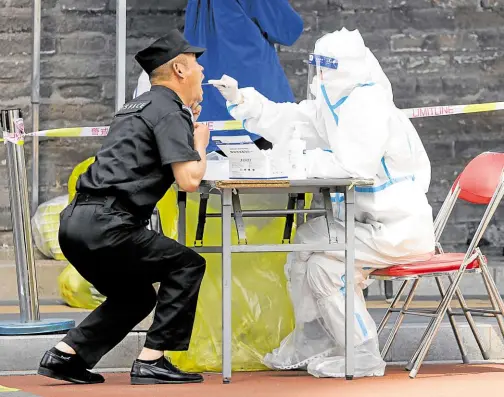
x=434, y=52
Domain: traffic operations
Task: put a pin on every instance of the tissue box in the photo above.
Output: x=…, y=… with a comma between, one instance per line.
x=217, y=168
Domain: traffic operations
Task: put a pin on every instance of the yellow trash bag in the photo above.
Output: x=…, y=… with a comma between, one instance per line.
x=76, y=291
x=45, y=227
x=74, y=176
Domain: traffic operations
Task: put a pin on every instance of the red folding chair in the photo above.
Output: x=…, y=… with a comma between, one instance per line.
x=481, y=183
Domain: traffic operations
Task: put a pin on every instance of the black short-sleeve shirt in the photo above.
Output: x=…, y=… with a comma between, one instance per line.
x=134, y=164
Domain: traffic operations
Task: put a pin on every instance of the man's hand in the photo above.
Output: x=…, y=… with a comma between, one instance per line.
x=196, y=110
x=228, y=87
x=201, y=135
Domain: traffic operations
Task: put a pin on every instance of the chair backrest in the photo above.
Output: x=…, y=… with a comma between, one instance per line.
x=480, y=178
x=476, y=184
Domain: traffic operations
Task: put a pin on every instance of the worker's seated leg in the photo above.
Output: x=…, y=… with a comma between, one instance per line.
x=326, y=278
x=309, y=339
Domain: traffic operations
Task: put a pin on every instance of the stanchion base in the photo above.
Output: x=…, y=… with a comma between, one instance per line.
x=46, y=326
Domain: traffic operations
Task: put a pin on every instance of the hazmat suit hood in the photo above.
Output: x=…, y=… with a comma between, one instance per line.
x=341, y=62
x=356, y=63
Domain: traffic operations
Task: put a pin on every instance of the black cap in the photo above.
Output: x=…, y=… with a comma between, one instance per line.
x=165, y=49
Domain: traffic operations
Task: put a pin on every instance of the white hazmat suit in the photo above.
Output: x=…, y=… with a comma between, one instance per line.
x=352, y=129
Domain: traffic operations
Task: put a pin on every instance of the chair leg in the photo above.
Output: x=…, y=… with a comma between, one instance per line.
x=453, y=324
x=470, y=321
x=385, y=318
x=389, y=290
x=413, y=358
x=436, y=324
x=494, y=296
x=399, y=319
x=423, y=340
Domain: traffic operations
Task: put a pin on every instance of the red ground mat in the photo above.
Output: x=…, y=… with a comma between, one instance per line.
x=433, y=381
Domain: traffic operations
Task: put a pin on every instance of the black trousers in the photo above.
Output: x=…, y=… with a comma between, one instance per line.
x=116, y=253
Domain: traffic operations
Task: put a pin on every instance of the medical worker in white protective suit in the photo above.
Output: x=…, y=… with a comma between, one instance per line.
x=353, y=129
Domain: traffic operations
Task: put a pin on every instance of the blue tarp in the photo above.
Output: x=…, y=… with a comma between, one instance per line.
x=239, y=36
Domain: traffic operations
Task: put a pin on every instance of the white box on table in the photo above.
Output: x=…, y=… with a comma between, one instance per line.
x=247, y=161
x=217, y=167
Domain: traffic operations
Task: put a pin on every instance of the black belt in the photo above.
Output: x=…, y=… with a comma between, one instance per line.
x=83, y=198
x=113, y=202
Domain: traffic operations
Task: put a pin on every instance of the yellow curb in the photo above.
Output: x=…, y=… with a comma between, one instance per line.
x=472, y=303
x=44, y=309
x=4, y=389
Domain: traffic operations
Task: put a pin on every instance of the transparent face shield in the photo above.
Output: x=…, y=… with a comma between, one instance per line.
x=319, y=67
x=323, y=74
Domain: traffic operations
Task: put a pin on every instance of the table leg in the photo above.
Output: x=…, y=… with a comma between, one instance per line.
x=182, y=200
x=300, y=206
x=226, y=206
x=349, y=282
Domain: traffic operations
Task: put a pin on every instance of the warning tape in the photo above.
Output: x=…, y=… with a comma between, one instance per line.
x=234, y=125
x=436, y=111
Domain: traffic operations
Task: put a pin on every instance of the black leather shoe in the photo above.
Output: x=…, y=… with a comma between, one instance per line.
x=159, y=372
x=68, y=368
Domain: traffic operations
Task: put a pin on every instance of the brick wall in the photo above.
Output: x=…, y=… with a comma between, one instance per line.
x=434, y=52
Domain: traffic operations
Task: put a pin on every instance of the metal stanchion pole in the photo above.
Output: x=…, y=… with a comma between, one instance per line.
x=35, y=99
x=11, y=125
x=25, y=263
x=120, y=53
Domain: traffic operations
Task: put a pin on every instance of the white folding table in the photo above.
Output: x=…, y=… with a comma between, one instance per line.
x=230, y=192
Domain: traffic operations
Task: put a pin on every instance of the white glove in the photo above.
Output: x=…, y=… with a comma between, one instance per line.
x=228, y=87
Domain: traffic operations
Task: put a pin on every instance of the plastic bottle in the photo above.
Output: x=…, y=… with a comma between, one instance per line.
x=295, y=151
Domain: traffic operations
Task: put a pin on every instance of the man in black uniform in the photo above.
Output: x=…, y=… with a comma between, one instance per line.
x=152, y=143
